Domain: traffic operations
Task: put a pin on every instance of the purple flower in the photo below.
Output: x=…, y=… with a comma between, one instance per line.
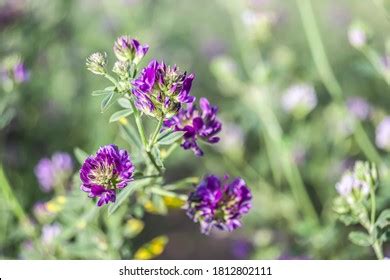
x=197, y=124
x=241, y=249
x=382, y=134
x=54, y=172
x=21, y=74
x=218, y=203
x=357, y=36
x=299, y=99
x=359, y=107
x=102, y=174
x=128, y=49
x=160, y=90
x=49, y=233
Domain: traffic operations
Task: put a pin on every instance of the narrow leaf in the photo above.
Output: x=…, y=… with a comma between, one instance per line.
x=120, y=114
x=125, y=193
x=171, y=138
x=359, y=238
x=106, y=102
x=124, y=103
x=105, y=91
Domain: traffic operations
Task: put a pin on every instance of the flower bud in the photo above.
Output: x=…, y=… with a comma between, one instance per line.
x=128, y=49
x=357, y=35
x=96, y=63
x=121, y=68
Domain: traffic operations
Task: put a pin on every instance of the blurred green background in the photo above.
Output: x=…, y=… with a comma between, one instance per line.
x=246, y=55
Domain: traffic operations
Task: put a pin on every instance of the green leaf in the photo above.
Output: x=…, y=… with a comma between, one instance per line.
x=157, y=156
x=125, y=193
x=124, y=103
x=382, y=226
x=80, y=155
x=130, y=135
x=105, y=91
x=360, y=238
x=120, y=114
x=107, y=101
x=170, y=138
x=383, y=219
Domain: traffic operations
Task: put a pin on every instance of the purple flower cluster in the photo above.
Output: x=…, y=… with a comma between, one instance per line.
x=160, y=90
x=218, y=203
x=102, y=174
x=359, y=107
x=54, y=172
x=197, y=124
x=128, y=49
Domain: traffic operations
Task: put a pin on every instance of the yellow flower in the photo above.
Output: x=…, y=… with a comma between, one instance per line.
x=152, y=249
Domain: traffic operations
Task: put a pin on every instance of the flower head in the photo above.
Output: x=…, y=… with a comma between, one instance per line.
x=128, y=49
x=299, y=100
x=102, y=174
x=197, y=124
x=96, y=63
x=21, y=74
x=382, y=134
x=357, y=35
x=218, y=203
x=54, y=172
x=359, y=107
x=50, y=233
x=161, y=90
x=355, y=185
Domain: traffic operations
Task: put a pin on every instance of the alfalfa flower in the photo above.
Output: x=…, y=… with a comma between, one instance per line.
x=299, y=100
x=128, y=49
x=102, y=174
x=54, y=172
x=219, y=203
x=198, y=124
x=160, y=90
x=97, y=62
x=357, y=35
x=355, y=185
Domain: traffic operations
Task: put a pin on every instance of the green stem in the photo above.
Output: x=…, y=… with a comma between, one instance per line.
x=140, y=127
x=328, y=78
x=170, y=150
x=10, y=198
x=155, y=134
x=163, y=192
x=374, y=59
x=378, y=250
x=111, y=78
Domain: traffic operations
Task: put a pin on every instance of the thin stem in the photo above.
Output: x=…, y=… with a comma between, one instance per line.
x=155, y=134
x=111, y=78
x=140, y=127
x=373, y=205
x=153, y=161
x=170, y=150
x=163, y=192
x=378, y=250
x=326, y=73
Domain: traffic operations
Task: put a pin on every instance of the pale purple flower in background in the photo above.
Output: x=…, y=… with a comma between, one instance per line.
x=50, y=233
x=241, y=249
x=359, y=107
x=299, y=154
x=299, y=99
x=20, y=72
x=357, y=36
x=232, y=138
x=382, y=134
x=212, y=47
x=345, y=186
x=54, y=172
